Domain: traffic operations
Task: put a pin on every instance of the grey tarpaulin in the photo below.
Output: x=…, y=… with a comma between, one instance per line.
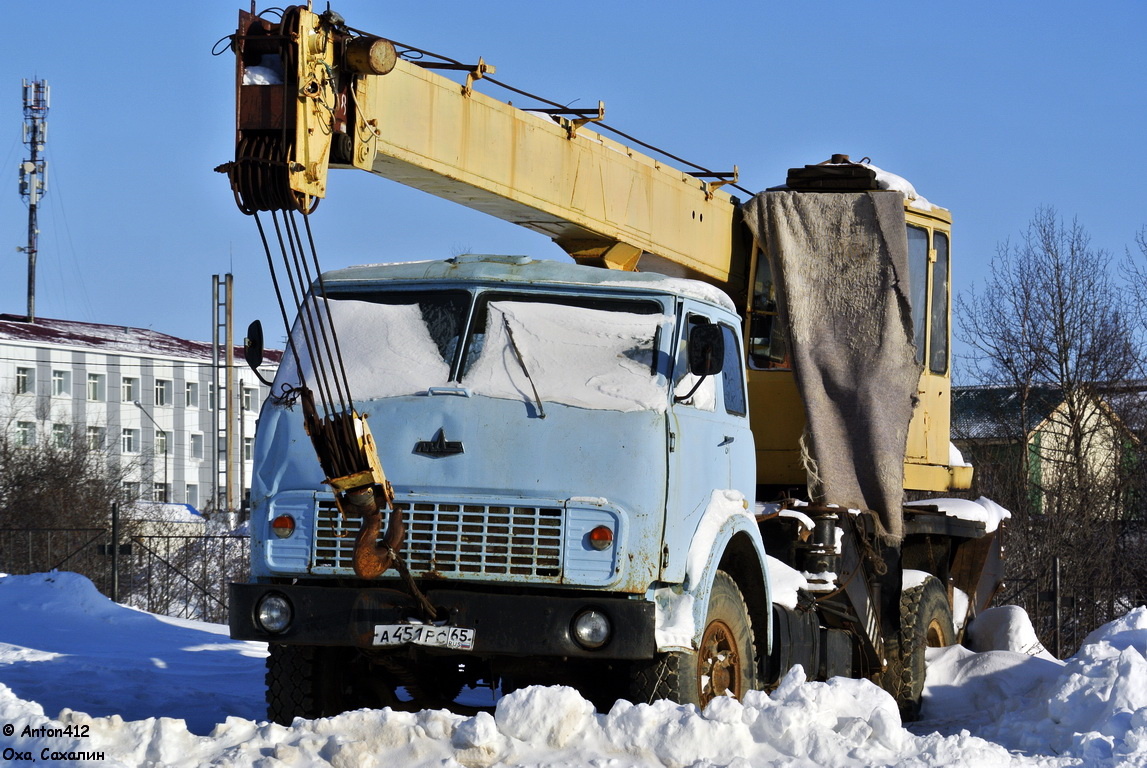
x=840, y=262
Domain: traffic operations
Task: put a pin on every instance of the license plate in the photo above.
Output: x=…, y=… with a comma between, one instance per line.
x=456, y=638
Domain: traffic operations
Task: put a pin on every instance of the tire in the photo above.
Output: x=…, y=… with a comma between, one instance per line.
x=925, y=622
x=309, y=682
x=725, y=664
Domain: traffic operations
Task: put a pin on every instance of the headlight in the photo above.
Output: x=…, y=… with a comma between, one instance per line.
x=591, y=629
x=273, y=612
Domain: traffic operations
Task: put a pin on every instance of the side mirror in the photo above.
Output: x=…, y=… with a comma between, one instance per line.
x=706, y=350
x=253, y=345
x=253, y=349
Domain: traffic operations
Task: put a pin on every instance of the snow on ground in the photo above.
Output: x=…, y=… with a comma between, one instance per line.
x=150, y=690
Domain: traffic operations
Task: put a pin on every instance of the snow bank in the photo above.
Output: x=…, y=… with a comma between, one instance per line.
x=1091, y=709
x=838, y=723
x=61, y=642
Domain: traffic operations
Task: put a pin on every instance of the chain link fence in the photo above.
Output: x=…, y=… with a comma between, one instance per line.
x=174, y=575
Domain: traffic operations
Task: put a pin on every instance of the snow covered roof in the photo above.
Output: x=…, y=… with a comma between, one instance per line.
x=984, y=413
x=108, y=338
x=483, y=268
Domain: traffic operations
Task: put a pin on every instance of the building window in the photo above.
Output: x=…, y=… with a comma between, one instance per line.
x=129, y=390
x=25, y=433
x=61, y=383
x=192, y=394
x=129, y=441
x=131, y=490
x=61, y=435
x=163, y=392
x=211, y=397
x=96, y=438
x=97, y=387
x=248, y=399
x=25, y=381
x=191, y=496
x=159, y=492
x=248, y=448
x=161, y=438
x=196, y=446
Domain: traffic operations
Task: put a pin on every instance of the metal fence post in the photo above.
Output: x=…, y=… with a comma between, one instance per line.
x=115, y=552
x=1058, y=639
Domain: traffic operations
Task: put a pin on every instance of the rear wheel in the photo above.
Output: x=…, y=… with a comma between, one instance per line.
x=725, y=664
x=925, y=622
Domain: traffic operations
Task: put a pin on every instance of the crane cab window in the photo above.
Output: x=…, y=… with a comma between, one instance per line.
x=928, y=260
x=938, y=343
x=767, y=344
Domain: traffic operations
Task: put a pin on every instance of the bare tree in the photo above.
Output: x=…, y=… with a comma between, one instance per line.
x=1049, y=337
x=56, y=497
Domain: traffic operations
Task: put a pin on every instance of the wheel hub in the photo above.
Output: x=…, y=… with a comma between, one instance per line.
x=718, y=663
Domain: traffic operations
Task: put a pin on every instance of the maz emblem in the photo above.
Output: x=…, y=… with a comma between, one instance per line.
x=439, y=446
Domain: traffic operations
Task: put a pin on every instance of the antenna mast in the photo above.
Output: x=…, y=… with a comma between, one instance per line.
x=33, y=173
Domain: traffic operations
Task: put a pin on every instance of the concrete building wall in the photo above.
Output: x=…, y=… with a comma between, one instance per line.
x=57, y=390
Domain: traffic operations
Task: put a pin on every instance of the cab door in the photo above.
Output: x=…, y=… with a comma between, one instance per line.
x=710, y=443
x=928, y=267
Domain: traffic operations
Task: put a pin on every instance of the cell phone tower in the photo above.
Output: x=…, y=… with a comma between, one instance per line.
x=33, y=173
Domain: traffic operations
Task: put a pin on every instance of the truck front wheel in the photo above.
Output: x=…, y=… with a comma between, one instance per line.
x=925, y=622
x=725, y=664
x=310, y=681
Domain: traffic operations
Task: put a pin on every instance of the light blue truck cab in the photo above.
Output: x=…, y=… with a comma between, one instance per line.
x=577, y=495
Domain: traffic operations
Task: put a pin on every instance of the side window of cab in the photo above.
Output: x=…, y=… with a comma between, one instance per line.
x=732, y=376
x=701, y=392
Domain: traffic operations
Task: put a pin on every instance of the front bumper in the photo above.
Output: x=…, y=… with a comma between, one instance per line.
x=520, y=625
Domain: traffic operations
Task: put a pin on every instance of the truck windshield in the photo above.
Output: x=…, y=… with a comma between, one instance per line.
x=580, y=351
x=392, y=344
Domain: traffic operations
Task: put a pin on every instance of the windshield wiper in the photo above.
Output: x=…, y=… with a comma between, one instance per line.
x=522, y=362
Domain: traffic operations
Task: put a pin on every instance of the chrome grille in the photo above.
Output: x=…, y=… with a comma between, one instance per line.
x=456, y=539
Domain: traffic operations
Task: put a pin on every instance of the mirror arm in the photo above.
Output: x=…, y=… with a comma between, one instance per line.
x=689, y=394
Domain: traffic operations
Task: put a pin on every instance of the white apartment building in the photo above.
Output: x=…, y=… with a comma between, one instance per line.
x=146, y=397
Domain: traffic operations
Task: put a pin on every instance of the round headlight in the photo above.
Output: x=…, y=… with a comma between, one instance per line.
x=591, y=629
x=273, y=613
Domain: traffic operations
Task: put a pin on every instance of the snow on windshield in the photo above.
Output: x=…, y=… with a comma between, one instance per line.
x=387, y=349
x=586, y=358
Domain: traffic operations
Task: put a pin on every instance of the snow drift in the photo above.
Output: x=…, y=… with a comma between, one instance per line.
x=150, y=690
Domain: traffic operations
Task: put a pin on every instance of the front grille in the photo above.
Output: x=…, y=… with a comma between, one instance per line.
x=454, y=539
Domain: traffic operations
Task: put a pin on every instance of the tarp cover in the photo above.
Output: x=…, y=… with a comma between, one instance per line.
x=840, y=262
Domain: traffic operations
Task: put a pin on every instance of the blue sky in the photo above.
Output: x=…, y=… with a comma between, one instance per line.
x=991, y=109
